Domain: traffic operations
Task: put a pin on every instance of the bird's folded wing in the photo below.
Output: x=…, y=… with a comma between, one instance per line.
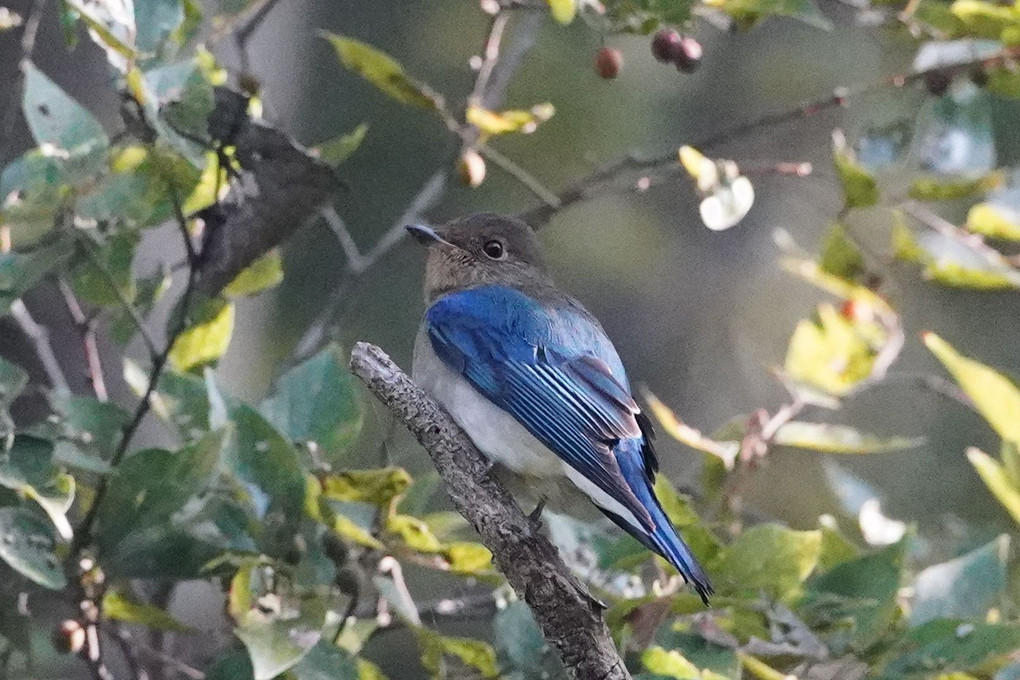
x=558, y=389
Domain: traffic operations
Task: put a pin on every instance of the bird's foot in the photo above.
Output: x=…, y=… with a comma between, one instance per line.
x=535, y=517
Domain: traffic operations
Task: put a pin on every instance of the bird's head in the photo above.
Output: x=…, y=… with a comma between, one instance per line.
x=480, y=250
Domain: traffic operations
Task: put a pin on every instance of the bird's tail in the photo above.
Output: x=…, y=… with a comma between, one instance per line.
x=666, y=541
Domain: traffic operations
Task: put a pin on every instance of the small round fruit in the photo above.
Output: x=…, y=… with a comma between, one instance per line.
x=608, y=62
x=665, y=44
x=687, y=56
x=471, y=167
x=68, y=637
x=937, y=83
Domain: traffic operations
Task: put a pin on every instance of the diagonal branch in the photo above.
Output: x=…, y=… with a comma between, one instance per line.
x=570, y=619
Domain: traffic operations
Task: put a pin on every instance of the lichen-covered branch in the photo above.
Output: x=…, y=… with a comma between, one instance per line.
x=570, y=619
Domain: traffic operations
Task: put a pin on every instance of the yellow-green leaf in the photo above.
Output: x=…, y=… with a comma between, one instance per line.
x=515, y=120
x=994, y=221
x=265, y=272
x=670, y=663
x=563, y=11
x=995, y=478
x=366, y=486
x=859, y=186
x=205, y=341
x=467, y=558
x=382, y=70
x=119, y=608
x=726, y=451
x=769, y=558
x=938, y=189
x=833, y=353
x=996, y=397
x=829, y=438
x=337, y=150
x=475, y=654
x=414, y=532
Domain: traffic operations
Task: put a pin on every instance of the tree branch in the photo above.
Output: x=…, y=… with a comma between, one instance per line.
x=570, y=619
x=40, y=338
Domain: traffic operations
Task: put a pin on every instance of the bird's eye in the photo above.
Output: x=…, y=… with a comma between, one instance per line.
x=494, y=250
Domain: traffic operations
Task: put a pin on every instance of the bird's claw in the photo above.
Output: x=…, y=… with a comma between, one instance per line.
x=535, y=516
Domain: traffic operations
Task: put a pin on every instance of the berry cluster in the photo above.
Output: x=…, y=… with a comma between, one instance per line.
x=683, y=51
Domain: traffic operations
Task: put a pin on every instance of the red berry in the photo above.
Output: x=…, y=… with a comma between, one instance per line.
x=665, y=44
x=608, y=62
x=687, y=56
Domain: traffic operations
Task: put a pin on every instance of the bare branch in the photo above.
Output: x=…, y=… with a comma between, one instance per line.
x=40, y=338
x=87, y=330
x=570, y=619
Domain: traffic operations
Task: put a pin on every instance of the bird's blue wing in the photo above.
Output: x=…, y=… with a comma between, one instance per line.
x=552, y=370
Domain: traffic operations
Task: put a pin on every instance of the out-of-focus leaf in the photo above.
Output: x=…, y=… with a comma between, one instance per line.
x=563, y=11
x=467, y=558
x=854, y=603
x=769, y=558
x=905, y=245
x=949, y=645
x=322, y=511
x=833, y=353
x=829, y=438
x=265, y=272
x=56, y=119
x=954, y=135
x=382, y=70
x=147, y=290
x=155, y=20
x=953, y=259
x=859, y=186
x=318, y=401
x=178, y=99
x=840, y=255
x=325, y=661
x=337, y=150
x=151, y=485
x=20, y=272
x=516, y=120
x=760, y=669
x=996, y=397
x=811, y=272
x=111, y=26
x=939, y=189
x=379, y=487
x=836, y=548
x=13, y=379
x=997, y=480
x=234, y=665
x=726, y=451
x=104, y=277
x=206, y=339
x=672, y=664
x=27, y=468
x=994, y=221
x=89, y=430
x=26, y=545
x=964, y=588
x=180, y=398
x=985, y=19
x=520, y=644
x=748, y=13
x=414, y=532
x=277, y=628
x=439, y=650
x=706, y=547
x=119, y=607
x=716, y=661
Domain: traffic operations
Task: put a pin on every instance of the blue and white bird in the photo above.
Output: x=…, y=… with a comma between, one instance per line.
x=532, y=378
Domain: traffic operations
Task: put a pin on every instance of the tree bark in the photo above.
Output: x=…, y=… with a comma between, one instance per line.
x=570, y=619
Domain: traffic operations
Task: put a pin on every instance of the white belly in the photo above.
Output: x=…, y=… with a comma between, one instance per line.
x=541, y=474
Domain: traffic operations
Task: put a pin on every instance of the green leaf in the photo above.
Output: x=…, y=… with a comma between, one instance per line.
x=262, y=274
x=984, y=19
x=715, y=660
x=939, y=189
x=13, y=379
x=769, y=558
x=996, y=397
x=89, y=431
x=207, y=337
x=327, y=662
x=180, y=398
x=414, y=532
x=673, y=664
x=19, y=272
x=56, y=119
x=382, y=70
x=234, y=665
x=277, y=628
x=964, y=588
x=994, y=221
x=748, y=13
x=996, y=478
x=159, y=552
x=840, y=255
x=854, y=603
x=26, y=544
x=148, y=290
x=155, y=20
x=119, y=607
x=563, y=11
x=322, y=511
x=859, y=186
x=178, y=99
x=828, y=438
x=464, y=557
x=947, y=645
x=318, y=401
x=836, y=548
x=680, y=510
x=151, y=485
x=438, y=650
x=379, y=487
x=521, y=645
x=337, y=150
x=104, y=277
x=27, y=468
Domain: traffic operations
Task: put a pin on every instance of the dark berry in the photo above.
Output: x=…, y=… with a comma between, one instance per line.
x=665, y=44
x=687, y=56
x=937, y=82
x=608, y=62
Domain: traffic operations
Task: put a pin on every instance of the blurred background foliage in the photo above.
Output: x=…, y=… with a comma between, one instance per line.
x=828, y=361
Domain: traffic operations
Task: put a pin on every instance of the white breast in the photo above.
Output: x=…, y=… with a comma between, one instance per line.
x=501, y=438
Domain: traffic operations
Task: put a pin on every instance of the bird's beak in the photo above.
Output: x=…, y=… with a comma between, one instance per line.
x=426, y=236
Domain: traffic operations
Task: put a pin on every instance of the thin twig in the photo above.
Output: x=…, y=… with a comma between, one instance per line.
x=490, y=56
x=40, y=337
x=87, y=330
x=504, y=163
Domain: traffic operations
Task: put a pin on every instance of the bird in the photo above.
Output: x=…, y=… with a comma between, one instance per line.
x=532, y=378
